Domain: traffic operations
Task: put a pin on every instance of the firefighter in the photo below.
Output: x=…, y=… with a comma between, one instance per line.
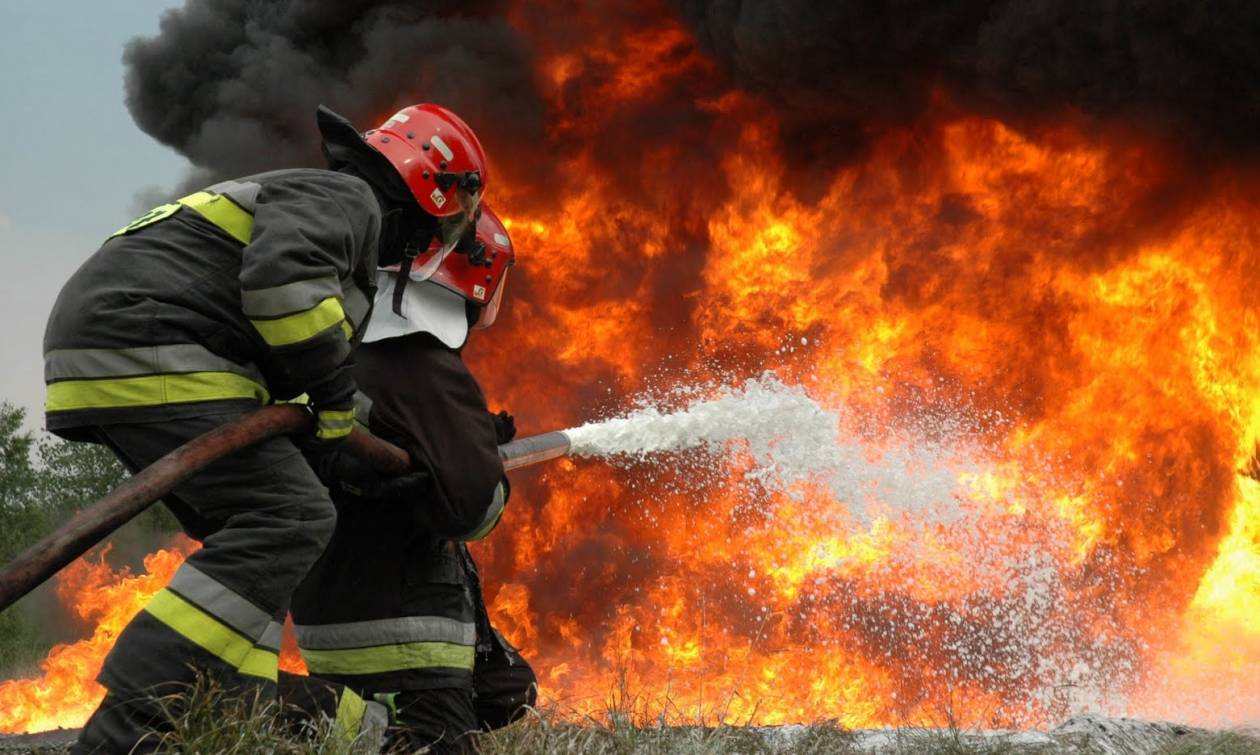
x=394, y=608
x=202, y=309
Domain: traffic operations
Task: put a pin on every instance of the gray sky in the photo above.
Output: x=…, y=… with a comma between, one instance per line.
x=71, y=162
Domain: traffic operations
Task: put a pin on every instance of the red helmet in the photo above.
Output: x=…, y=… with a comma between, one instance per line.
x=441, y=161
x=438, y=156
x=477, y=270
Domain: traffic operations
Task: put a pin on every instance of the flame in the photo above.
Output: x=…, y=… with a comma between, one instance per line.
x=1067, y=315
x=1073, y=307
x=66, y=693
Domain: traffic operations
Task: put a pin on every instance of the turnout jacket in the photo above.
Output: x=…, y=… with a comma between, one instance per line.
x=395, y=603
x=243, y=292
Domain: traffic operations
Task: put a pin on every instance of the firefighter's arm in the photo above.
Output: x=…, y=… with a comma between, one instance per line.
x=428, y=403
x=309, y=235
x=418, y=493
x=469, y=489
x=427, y=400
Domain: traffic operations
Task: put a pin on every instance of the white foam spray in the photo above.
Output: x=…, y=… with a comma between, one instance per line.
x=792, y=441
x=917, y=472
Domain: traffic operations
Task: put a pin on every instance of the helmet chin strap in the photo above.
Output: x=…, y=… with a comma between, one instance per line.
x=419, y=242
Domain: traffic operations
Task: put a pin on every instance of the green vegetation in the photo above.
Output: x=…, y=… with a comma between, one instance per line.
x=43, y=480
x=1218, y=743
x=208, y=720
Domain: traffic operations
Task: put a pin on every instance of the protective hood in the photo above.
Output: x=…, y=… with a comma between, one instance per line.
x=344, y=148
x=426, y=308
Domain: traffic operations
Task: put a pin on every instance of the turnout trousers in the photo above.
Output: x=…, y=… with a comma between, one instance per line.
x=445, y=720
x=263, y=518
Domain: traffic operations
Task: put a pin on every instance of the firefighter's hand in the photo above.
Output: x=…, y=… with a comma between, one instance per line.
x=409, y=489
x=504, y=427
x=332, y=403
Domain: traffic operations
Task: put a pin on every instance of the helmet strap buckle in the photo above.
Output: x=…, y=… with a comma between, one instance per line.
x=418, y=243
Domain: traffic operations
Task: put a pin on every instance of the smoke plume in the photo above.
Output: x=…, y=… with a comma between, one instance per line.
x=233, y=84
x=1182, y=68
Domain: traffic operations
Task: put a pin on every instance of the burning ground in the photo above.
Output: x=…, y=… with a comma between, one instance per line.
x=1009, y=246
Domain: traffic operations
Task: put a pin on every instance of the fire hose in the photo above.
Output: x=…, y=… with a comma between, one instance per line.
x=94, y=523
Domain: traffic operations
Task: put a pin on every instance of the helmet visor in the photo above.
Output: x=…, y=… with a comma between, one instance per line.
x=450, y=231
x=490, y=312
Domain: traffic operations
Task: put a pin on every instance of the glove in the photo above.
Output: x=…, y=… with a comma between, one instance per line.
x=402, y=491
x=504, y=427
x=332, y=402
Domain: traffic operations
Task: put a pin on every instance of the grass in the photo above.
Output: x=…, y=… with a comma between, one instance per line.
x=206, y=720
x=542, y=732
x=545, y=732
x=1218, y=743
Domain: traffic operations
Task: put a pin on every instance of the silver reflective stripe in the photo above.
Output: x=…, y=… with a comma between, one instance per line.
x=493, y=512
x=355, y=303
x=272, y=637
x=243, y=193
x=363, y=634
x=77, y=364
x=288, y=298
x=362, y=409
x=218, y=601
x=335, y=424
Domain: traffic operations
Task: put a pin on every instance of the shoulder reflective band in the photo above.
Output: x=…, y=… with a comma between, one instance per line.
x=217, y=208
x=223, y=212
x=303, y=326
x=161, y=212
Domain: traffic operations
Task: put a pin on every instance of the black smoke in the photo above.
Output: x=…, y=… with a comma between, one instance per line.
x=233, y=84
x=1184, y=69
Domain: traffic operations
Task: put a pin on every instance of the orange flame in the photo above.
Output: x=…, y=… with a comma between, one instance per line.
x=1077, y=306
x=1069, y=315
x=67, y=693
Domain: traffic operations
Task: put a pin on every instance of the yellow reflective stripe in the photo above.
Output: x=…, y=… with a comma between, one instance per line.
x=152, y=390
x=334, y=423
x=260, y=662
x=161, y=212
x=223, y=212
x=218, y=209
x=378, y=660
x=350, y=710
x=347, y=330
x=487, y=528
x=205, y=631
x=302, y=326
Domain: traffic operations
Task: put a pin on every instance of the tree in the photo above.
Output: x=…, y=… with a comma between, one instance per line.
x=19, y=643
x=42, y=482
x=18, y=516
